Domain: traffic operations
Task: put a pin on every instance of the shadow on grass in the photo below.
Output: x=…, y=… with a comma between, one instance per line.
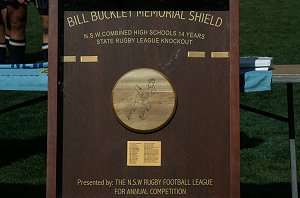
x=247, y=142
x=22, y=191
x=276, y=190
x=13, y=150
x=24, y=104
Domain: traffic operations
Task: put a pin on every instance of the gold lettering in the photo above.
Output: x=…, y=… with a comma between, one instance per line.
x=152, y=182
x=71, y=22
x=137, y=191
x=100, y=15
x=219, y=22
x=105, y=41
x=196, y=16
x=179, y=15
x=125, y=40
x=176, y=41
x=168, y=14
x=120, y=191
x=81, y=182
x=161, y=14
x=195, y=35
x=112, y=14
x=134, y=182
x=147, y=13
x=140, y=13
x=76, y=20
x=168, y=191
x=202, y=182
x=148, y=40
x=94, y=16
x=140, y=32
x=85, y=36
x=207, y=18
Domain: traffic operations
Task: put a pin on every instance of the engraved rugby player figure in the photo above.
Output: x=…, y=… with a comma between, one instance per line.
x=141, y=102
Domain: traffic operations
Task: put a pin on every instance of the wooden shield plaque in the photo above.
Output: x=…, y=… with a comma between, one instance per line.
x=143, y=100
x=146, y=102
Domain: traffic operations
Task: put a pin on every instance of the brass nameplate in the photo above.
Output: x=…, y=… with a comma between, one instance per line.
x=88, y=59
x=220, y=54
x=68, y=59
x=196, y=54
x=144, y=153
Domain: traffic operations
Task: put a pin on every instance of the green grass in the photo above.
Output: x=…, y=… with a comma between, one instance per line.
x=23, y=131
x=265, y=159
x=22, y=145
x=270, y=28
x=267, y=28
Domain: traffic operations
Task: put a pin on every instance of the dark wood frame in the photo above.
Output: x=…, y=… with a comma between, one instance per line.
x=234, y=100
x=53, y=98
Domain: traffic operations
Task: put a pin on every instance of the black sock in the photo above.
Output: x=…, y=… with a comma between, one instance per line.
x=2, y=53
x=45, y=50
x=7, y=38
x=17, y=51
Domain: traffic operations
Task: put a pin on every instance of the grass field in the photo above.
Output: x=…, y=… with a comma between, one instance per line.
x=267, y=28
x=23, y=130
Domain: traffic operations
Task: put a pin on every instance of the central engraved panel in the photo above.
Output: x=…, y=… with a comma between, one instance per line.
x=143, y=100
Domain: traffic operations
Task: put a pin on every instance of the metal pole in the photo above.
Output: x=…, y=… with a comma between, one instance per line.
x=291, y=123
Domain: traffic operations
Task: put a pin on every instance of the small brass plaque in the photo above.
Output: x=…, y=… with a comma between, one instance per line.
x=144, y=153
x=143, y=100
x=88, y=59
x=196, y=54
x=68, y=59
x=220, y=54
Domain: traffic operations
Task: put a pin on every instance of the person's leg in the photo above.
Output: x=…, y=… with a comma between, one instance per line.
x=2, y=30
x=3, y=44
x=17, y=16
x=45, y=26
x=42, y=6
x=4, y=16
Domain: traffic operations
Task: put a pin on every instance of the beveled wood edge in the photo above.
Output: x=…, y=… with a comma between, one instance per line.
x=234, y=101
x=52, y=100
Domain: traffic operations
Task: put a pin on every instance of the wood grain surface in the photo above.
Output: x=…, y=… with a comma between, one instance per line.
x=143, y=100
x=94, y=103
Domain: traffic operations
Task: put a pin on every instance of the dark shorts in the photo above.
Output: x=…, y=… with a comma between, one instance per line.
x=10, y=1
x=2, y=5
x=41, y=5
x=13, y=3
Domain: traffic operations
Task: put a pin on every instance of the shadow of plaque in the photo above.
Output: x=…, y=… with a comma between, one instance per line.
x=116, y=128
